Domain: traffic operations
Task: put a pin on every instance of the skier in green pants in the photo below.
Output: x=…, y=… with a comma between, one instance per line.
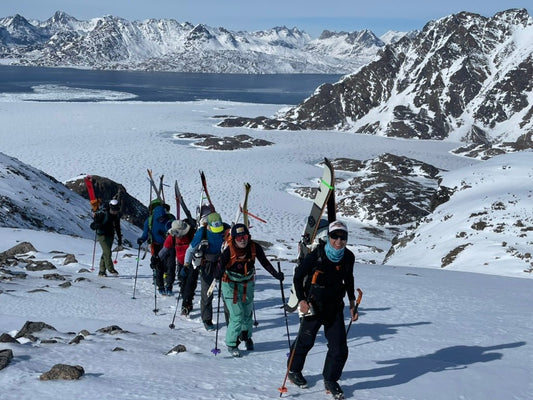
x=106, y=223
x=237, y=271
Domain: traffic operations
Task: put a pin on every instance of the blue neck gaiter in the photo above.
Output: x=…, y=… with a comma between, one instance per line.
x=333, y=254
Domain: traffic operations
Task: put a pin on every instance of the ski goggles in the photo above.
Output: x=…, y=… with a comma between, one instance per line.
x=242, y=238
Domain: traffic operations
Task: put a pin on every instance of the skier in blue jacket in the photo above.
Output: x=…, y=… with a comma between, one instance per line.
x=155, y=231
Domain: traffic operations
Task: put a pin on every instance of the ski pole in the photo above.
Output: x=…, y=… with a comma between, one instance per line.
x=284, y=309
x=94, y=251
x=172, y=326
x=283, y=388
x=116, y=257
x=155, y=310
x=359, y=298
x=216, y=350
x=136, y=270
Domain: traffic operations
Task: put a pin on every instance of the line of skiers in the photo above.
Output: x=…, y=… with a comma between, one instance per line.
x=216, y=251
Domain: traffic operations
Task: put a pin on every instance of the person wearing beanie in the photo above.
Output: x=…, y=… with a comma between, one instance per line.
x=201, y=257
x=237, y=271
x=106, y=222
x=172, y=254
x=321, y=281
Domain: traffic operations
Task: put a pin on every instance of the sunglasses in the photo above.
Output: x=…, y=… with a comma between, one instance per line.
x=241, y=238
x=340, y=236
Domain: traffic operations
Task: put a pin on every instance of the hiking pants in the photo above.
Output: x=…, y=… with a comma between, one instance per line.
x=335, y=333
x=239, y=302
x=206, y=302
x=157, y=266
x=106, y=263
x=189, y=286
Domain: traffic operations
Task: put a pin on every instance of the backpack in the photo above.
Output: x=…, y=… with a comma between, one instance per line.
x=248, y=260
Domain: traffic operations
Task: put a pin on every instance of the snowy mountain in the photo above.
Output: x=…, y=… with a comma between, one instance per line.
x=166, y=45
x=464, y=77
x=31, y=199
x=484, y=221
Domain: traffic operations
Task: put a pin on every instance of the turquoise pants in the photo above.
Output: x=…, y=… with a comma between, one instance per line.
x=240, y=307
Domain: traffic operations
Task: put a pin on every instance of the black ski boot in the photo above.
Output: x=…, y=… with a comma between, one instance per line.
x=298, y=379
x=334, y=389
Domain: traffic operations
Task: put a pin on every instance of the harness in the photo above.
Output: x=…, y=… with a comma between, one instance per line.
x=236, y=277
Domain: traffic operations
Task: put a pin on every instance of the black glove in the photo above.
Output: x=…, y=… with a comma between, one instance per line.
x=279, y=276
x=140, y=241
x=219, y=271
x=93, y=226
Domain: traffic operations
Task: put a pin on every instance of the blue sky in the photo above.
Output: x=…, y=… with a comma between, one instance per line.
x=312, y=16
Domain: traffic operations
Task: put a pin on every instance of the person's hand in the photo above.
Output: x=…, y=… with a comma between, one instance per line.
x=304, y=307
x=140, y=241
x=280, y=276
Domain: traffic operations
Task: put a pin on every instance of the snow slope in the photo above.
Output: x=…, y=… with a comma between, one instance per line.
x=424, y=333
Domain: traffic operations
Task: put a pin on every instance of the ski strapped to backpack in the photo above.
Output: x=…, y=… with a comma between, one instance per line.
x=180, y=204
x=95, y=203
x=325, y=198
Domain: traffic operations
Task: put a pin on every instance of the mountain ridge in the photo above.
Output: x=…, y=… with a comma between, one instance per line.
x=111, y=42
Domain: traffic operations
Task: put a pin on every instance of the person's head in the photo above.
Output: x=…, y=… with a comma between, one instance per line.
x=179, y=228
x=240, y=235
x=337, y=234
x=214, y=223
x=113, y=206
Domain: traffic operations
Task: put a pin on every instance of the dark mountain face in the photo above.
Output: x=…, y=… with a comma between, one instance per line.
x=464, y=77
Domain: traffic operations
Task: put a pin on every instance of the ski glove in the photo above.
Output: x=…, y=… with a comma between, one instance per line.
x=140, y=241
x=279, y=276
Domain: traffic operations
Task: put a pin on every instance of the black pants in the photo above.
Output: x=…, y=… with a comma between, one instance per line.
x=189, y=286
x=157, y=266
x=335, y=333
x=205, y=272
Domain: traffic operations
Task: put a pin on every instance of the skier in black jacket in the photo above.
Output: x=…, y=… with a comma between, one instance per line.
x=329, y=273
x=107, y=223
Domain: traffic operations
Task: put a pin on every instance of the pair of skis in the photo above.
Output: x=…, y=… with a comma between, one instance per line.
x=324, y=201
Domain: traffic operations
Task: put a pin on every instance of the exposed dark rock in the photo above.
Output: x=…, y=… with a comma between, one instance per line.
x=6, y=355
x=54, y=277
x=70, y=259
x=112, y=329
x=132, y=210
x=21, y=248
x=40, y=266
x=7, y=338
x=63, y=371
x=177, y=349
x=390, y=189
x=227, y=143
x=32, y=327
x=77, y=339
